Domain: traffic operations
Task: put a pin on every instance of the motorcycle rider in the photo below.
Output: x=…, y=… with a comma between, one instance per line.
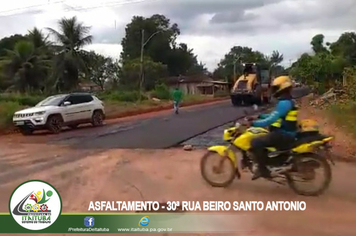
x=284, y=122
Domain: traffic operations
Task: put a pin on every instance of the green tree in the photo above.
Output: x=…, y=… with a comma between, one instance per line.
x=101, y=69
x=8, y=43
x=303, y=69
x=325, y=68
x=317, y=43
x=154, y=73
x=220, y=73
x=113, y=73
x=232, y=61
x=38, y=39
x=25, y=69
x=158, y=47
x=182, y=61
x=345, y=47
x=96, y=65
x=71, y=38
x=162, y=47
x=273, y=62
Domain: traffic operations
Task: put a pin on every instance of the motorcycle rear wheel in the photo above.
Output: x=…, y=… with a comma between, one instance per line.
x=327, y=175
x=204, y=168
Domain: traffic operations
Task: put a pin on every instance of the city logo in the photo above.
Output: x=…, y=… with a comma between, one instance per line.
x=89, y=221
x=35, y=205
x=144, y=221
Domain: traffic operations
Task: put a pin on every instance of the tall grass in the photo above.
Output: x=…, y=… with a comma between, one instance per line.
x=22, y=99
x=7, y=110
x=161, y=91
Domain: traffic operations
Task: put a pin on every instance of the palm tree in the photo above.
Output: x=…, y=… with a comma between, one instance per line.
x=24, y=67
x=273, y=61
x=276, y=58
x=44, y=48
x=72, y=37
x=38, y=39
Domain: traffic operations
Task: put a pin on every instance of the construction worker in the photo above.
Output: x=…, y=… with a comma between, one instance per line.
x=177, y=99
x=283, y=121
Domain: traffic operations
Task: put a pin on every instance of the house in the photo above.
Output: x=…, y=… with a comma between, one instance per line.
x=201, y=84
x=213, y=86
x=89, y=86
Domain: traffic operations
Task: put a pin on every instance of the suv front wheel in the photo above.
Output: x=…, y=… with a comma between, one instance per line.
x=54, y=124
x=97, y=119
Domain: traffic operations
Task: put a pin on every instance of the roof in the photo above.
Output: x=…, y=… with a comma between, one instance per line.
x=212, y=83
x=188, y=79
x=219, y=82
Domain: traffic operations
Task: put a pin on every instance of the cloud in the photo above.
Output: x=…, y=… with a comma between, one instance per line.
x=211, y=27
x=109, y=50
x=232, y=17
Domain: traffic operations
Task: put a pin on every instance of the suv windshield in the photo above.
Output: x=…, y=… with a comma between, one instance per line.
x=51, y=101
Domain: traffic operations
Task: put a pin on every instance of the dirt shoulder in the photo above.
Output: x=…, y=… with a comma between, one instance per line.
x=344, y=143
x=166, y=175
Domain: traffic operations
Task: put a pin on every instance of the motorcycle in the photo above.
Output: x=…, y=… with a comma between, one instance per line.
x=309, y=152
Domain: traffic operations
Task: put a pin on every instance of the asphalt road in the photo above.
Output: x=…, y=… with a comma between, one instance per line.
x=214, y=136
x=161, y=131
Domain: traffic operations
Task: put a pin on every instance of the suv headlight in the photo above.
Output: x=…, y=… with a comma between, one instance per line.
x=39, y=113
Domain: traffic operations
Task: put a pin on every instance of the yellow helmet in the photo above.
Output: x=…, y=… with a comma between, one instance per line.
x=281, y=83
x=308, y=125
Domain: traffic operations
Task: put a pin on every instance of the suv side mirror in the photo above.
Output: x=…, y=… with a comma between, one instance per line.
x=67, y=103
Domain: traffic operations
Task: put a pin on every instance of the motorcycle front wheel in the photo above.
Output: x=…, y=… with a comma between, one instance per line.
x=305, y=166
x=213, y=165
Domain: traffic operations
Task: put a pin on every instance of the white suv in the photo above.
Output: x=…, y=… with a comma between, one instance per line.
x=61, y=110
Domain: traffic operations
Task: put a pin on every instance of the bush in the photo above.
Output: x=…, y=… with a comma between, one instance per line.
x=121, y=96
x=161, y=91
x=7, y=110
x=21, y=99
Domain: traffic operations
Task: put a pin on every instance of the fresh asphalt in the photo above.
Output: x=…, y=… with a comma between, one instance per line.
x=162, y=131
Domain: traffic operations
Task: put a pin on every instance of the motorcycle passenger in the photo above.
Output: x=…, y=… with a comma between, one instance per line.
x=283, y=120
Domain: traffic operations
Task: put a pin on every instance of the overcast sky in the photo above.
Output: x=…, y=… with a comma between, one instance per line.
x=211, y=27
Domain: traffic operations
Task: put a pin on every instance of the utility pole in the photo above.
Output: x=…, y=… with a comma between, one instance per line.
x=143, y=44
x=234, y=72
x=141, y=61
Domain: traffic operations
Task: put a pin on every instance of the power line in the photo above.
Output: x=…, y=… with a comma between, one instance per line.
x=30, y=7
x=112, y=4
x=69, y=8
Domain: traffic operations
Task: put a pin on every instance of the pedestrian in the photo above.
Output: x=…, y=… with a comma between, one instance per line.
x=177, y=98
